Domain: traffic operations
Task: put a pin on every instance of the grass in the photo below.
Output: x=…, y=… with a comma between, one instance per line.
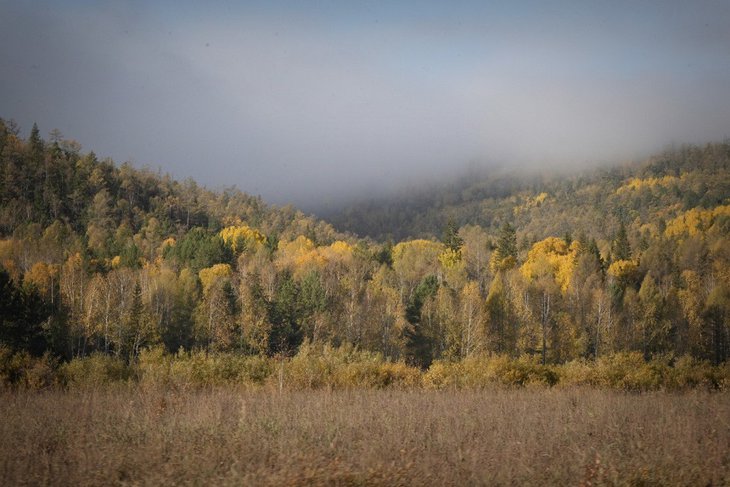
x=137, y=435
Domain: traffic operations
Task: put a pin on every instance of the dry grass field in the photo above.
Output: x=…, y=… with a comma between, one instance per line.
x=138, y=436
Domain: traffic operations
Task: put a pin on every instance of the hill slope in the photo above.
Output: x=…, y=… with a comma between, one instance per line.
x=552, y=203
x=100, y=258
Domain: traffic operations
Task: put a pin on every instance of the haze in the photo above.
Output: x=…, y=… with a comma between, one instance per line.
x=310, y=104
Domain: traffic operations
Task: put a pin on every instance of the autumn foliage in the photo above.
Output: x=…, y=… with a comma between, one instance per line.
x=99, y=260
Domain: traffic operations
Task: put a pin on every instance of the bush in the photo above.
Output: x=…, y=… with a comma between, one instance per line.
x=96, y=370
x=317, y=366
x=200, y=369
x=689, y=372
x=487, y=371
x=23, y=370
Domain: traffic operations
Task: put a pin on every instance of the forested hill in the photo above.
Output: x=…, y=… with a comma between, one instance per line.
x=549, y=202
x=99, y=258
x=116, y=209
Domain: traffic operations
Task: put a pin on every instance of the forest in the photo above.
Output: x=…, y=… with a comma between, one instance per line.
x=98, y=258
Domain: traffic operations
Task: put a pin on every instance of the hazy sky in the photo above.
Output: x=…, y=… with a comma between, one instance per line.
x=309, y=101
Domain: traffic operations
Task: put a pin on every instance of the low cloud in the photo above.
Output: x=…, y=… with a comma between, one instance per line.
x=308, y=106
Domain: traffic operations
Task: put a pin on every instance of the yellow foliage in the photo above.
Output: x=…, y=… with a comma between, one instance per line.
x=497, y=263
x=635, y=184
x=454, y=268
x=116, y=260
x=300, y=244
x=414, y=259
x=450, y=258
x=419, y=246
x=694, y=221
x=339, y=251
x=210, y=275
x=531, y=202
x=42, y=276
x=623, y=269
x=551, y=257
x=308, y=260
x=302, y=255
x=241, y=236
x=168, y=242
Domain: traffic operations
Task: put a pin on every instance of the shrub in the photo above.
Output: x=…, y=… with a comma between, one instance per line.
x=484, y=371
x=443, y=375
x=23, y=370
x=96, y=370
x=317, y=366
x=200, y=369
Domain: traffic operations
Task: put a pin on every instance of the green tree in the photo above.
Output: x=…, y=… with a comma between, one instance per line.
x=285, y=314
x=505, y=255
x=451, y=238
x=621, y=248
x=419, y=345
x=23, y=314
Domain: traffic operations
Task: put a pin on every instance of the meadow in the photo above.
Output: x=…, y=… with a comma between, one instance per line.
x=150, y=435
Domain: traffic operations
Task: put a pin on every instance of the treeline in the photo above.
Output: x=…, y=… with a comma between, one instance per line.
x=104, y=259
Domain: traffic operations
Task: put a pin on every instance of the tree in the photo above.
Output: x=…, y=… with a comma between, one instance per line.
x=500, y=322
x=451, y=238
x=472, y=320
x=621, y=248
x=73, y=287
x=476, y=254
x=23, y=314
x=140, y=328
x=384, y=322
x=419, y=342
x=285, y=315
x=254, y=322
x=716, y=314
x=216, y=311
x=655, y=329
x=505, y=255
x=413, y=261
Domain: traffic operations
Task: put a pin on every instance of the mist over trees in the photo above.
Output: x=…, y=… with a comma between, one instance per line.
x=97, y=257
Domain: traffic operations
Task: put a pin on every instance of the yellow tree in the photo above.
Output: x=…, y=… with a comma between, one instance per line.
x=215, y=312
x=413, y=260
x=472, y=320
x=453, y=269
x=476, y=253
x=72, y=286
x=242, y=238
x=45, y=279
x=385, y=324
x=549, y=269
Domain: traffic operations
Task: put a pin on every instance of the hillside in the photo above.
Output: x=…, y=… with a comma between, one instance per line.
x=549, y=202
x=100, y=258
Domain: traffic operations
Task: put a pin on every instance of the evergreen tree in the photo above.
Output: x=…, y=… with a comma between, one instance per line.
x=419, y=346
x=451, y=237
x=23, y=314
x=621, y=247
x=507, y=242
x=285, y=315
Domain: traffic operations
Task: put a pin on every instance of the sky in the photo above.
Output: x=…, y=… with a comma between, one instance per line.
x=314, y=102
